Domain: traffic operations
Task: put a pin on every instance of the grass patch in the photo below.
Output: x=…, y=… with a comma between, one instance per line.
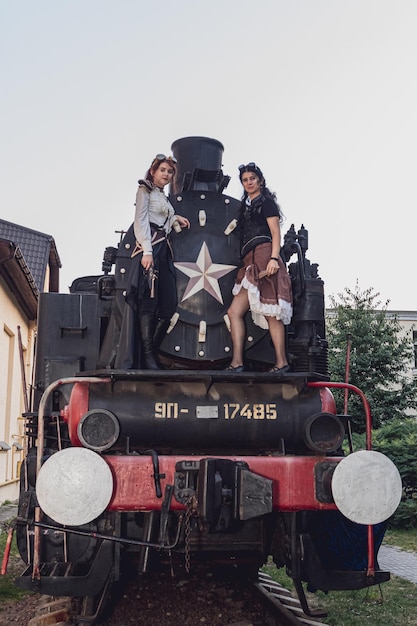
x=404, y=539
x=392, y=604
x=8, y=590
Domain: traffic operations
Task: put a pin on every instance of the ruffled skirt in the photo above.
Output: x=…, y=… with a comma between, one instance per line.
x=270, y=296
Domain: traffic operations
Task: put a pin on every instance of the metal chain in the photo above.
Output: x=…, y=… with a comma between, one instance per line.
x=191, y=506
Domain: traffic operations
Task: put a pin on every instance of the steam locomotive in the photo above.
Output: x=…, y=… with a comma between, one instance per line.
x=191, y=463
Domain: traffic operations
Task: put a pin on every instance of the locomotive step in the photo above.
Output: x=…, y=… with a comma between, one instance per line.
x=198, y=375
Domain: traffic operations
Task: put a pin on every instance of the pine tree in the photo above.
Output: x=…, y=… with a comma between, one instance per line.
x=379, y=357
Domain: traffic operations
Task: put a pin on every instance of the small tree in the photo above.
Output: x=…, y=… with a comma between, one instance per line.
x=398, y=441
x=379, y=357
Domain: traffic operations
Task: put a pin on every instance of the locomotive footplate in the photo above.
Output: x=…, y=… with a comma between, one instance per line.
x=207, y=375
x=226, y=492
x=71, y=579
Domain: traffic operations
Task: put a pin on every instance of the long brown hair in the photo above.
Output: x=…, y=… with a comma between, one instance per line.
x=156, y=163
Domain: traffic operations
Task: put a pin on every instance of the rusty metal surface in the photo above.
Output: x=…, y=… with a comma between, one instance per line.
x=285, y=608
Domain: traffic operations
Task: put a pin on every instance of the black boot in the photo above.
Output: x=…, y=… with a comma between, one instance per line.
x=160, y=331
x=147, y=326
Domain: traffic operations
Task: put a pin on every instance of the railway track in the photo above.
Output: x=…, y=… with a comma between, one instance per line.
x=284, y=609
x=275, y=606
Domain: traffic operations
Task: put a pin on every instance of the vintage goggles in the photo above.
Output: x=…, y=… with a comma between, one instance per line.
x=163, y=157
x=251, y=164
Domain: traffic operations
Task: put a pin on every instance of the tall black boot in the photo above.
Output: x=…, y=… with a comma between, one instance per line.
x=147, y=326
x=161, y=328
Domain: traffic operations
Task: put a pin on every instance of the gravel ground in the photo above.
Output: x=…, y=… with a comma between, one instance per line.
x=17, y=613
x=208, y=600
x=198, y=599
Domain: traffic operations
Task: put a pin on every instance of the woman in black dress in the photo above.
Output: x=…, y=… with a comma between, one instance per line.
x=262, y=284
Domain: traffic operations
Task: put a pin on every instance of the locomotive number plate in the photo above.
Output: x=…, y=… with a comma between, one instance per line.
x=258, y=411
x=227, y=411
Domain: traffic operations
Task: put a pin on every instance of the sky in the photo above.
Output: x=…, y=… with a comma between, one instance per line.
x=321, y=94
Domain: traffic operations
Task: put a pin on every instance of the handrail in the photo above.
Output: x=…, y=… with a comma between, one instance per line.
x=367, y=408
x=40, y=441
x=368, y=417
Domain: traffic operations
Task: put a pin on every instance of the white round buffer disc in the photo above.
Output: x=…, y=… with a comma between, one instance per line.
x=74, y=486
x=366, y=487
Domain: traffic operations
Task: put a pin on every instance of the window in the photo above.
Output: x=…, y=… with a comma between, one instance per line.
x=415, y=348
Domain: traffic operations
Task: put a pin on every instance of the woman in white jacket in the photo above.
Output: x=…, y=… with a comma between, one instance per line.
x=152, y=290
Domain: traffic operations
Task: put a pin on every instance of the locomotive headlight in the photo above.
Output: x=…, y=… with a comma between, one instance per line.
x=366, y=487
x=324, y=433
x=74, y=486
x=98, y=429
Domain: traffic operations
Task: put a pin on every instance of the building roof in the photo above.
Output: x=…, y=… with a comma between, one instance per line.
x=17, y=276
x=38, y=249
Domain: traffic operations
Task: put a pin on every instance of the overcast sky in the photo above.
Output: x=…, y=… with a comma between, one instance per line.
x=322, y=94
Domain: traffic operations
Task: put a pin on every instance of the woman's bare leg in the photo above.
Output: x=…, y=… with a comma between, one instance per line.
x=236, y=313
x=277, y=332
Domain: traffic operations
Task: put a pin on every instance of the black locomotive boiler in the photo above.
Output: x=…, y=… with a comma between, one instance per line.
x=193, y=462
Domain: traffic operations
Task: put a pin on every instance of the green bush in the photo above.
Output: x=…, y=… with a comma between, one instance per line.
x=405, y=516
x=398, y=441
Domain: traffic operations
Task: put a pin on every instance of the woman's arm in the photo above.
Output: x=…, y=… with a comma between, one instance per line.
x=142, y=227
x=275, y=229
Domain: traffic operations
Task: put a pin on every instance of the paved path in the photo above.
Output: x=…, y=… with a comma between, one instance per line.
x=7, y=513
x=398, y=562
x=391, y=559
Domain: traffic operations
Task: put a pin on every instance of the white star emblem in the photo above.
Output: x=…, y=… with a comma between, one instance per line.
x=204, y=274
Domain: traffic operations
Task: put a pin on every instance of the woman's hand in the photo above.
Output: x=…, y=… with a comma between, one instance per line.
x=272, y=267
x=182, y=221
x=147, y=261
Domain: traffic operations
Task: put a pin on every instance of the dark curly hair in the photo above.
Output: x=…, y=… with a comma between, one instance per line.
x=265, y=192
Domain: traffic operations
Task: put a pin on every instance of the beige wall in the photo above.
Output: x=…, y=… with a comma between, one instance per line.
x=408, y=321
x=11, y=388
x=47, y=279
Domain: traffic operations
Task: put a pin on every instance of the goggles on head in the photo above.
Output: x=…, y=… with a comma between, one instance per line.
x=250, y=167
x=163, y=157
x=251, y=164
